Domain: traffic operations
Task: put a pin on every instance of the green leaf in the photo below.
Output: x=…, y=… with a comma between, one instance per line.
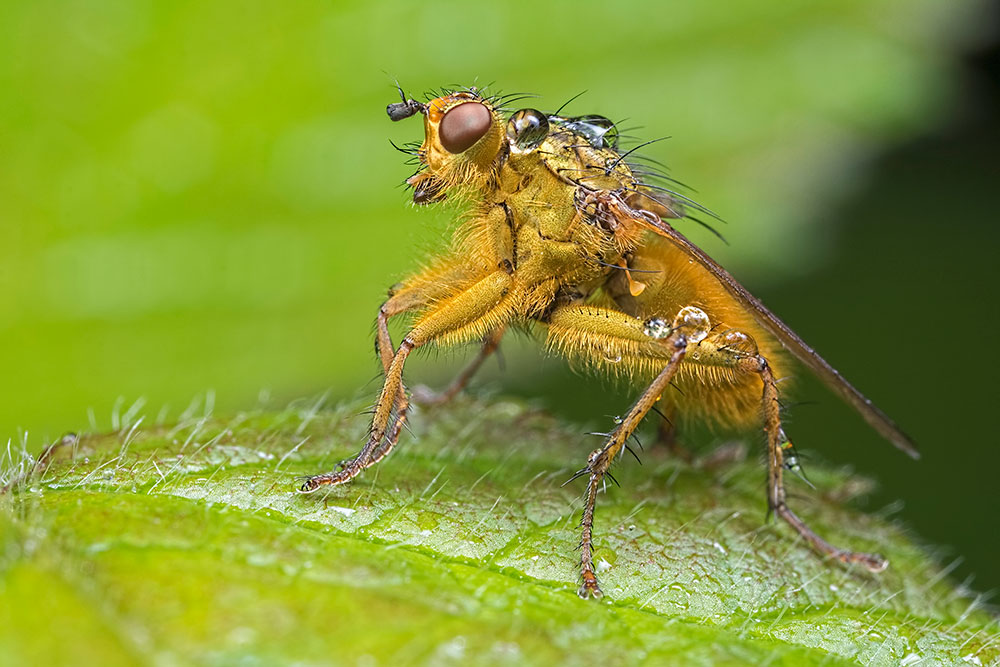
x=189, y=543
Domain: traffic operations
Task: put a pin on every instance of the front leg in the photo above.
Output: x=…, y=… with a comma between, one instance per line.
x=485, y=306
x=435, y=283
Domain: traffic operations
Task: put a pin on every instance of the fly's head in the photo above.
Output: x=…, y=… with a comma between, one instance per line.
x=467, y=141
x=463, y=147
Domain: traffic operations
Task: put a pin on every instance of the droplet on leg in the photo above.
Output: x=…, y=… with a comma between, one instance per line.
x=741, y=342
x=656, y=328
x=694, y=322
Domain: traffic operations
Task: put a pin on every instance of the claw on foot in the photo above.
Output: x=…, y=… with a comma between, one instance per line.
x=310, y=485
x=589, y=587
x=874, y=563
x=329, y=479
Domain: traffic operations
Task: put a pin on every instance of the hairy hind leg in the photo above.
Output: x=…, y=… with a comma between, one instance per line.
x=737, y=350
x=778, y=445
x=614, y=337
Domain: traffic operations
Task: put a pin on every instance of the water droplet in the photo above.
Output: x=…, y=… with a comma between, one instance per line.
x=526, y=130
x=656, y=328
x=597, y=130
x=740, y=342
x=695, y=323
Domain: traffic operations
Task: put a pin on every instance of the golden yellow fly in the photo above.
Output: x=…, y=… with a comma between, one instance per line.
x=563, y=232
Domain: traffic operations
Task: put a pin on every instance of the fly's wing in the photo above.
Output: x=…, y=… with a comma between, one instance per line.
x=834, y=380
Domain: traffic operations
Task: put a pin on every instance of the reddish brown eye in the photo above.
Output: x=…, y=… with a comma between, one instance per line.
x=463, y=126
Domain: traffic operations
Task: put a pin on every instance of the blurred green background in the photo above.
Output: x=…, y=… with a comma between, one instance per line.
x=198, y=201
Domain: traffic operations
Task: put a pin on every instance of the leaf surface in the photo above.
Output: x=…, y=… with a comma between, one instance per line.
x=188, y=543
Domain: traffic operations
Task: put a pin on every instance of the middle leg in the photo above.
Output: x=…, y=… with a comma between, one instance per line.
x=666, y=434
x=615, y=337
x=426, y=396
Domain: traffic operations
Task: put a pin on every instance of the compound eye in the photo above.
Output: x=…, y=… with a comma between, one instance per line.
x=527, y=129
x=463, y=126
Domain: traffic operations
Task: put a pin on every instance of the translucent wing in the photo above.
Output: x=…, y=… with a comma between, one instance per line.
x=827, y=373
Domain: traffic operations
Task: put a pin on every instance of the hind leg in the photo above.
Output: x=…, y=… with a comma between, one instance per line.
x=737, y=350
x=781, y=457
x=608, y=336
